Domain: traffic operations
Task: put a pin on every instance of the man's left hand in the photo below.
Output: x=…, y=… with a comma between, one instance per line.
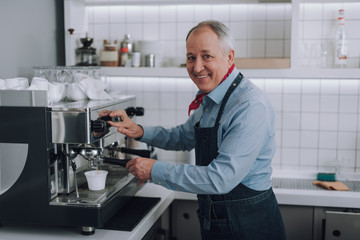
x=141, y=168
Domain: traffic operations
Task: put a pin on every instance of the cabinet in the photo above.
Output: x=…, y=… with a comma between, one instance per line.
x=184, y=221
x=149, y=20
x=301, y=222
x=342, y=225
x=336, y=223
x=298, y=221
x=318, y=223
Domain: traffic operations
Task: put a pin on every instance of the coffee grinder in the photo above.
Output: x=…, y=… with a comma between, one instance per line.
x=85, y=55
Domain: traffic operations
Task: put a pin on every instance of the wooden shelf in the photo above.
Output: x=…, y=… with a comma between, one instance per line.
x=171, y=72
x=172, y=2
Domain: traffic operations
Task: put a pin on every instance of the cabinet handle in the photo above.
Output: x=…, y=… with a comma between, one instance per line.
x=336, y=233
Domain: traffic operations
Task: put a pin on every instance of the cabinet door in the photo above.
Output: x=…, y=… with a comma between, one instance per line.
x=184, y=221
x=298, y=222
x=342, y=225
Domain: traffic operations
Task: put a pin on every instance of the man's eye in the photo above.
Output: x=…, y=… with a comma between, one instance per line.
x=206, y=56
x=190, y=59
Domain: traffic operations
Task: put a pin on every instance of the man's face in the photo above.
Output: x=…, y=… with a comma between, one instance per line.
x=206, y=62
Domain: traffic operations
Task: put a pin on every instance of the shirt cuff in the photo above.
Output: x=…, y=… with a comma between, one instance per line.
x=147, y=136
x=158, y=172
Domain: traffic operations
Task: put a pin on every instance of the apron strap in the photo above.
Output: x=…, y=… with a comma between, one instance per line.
x=234, y=84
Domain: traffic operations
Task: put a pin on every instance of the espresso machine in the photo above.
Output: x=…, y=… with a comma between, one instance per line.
x=45, y=150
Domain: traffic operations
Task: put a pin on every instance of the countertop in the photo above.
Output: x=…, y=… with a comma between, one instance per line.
x=16, y=232
x=303, y=197
x=319, y=197
x=306, y=197
x=316, y=198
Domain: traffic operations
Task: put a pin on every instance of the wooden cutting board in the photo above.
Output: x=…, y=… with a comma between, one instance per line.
x=339, y=186
x=262, y=63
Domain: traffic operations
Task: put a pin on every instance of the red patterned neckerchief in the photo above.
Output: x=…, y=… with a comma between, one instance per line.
x=197, y=101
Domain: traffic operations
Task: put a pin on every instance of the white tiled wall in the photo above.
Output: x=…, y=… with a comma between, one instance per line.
x=317, y=29
x=317, y=120
x=259, y=30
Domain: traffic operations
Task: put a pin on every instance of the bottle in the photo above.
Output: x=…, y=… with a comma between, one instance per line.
x=124, y=56
x=126, y=43
x=341, y=44
x=109, y=54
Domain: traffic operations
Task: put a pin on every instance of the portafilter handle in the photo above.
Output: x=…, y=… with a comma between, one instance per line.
x=138, y=152
x=115, y=161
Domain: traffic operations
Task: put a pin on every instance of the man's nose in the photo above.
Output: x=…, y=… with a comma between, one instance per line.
x=199, y=65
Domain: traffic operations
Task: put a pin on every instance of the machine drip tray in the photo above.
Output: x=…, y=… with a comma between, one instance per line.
x=131, y=213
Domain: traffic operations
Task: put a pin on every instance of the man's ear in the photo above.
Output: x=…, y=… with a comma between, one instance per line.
x=231, y=57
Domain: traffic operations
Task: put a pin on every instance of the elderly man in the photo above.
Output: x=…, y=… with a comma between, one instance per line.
x=232, y=131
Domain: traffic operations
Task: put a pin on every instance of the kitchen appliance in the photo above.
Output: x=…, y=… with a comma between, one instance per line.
x=86, y=53
x=44, y=152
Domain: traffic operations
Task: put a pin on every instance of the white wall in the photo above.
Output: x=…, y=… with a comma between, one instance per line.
x=259, y=30
x=31, y=35
x=317, y=120
x=317, y=31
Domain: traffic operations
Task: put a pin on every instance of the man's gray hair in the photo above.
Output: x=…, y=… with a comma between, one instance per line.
x=221, y=31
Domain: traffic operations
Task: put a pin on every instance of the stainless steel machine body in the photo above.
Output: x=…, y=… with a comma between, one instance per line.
x=44, y=151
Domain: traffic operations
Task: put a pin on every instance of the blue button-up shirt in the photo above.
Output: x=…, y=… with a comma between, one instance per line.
x=246, y=143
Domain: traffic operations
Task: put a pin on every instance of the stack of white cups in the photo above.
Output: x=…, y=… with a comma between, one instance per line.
x=56, y=91
x=18, y=83
x=83, y=87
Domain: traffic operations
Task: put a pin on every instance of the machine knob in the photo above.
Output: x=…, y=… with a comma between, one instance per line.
x=98, y=126
x=135, y=111
x=101, y=125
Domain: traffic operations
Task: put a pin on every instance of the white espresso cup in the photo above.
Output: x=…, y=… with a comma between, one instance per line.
x=23, y=83
x=75, y=92
x=38, y=83
x=96, y=179
x=56, y=92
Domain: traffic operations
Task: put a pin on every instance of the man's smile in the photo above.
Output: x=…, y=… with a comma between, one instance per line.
x=202, y=76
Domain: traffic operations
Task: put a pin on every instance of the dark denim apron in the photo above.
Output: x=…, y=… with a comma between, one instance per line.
x=242, y=213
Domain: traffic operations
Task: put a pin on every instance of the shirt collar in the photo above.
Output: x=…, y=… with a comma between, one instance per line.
x=218, y=93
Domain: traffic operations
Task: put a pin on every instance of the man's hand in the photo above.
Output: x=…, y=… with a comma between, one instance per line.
x=126, y=126
x=141, y=168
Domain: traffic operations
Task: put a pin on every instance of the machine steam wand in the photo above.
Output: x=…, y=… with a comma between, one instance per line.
x=73, y=165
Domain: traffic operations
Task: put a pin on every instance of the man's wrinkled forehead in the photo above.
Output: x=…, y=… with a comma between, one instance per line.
x=205, y=51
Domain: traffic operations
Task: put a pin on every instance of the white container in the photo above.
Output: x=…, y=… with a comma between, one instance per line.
x=136, y=59
x=18, y=83
x=96, y=179
x=2, y=84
